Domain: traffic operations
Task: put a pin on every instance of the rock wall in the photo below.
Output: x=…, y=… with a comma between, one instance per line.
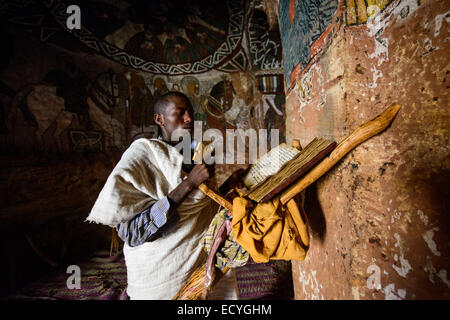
x=379, y=219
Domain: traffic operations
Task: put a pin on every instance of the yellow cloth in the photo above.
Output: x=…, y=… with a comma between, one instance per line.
x=270, y=231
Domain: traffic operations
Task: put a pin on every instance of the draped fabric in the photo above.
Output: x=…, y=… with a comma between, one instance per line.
x=147, y=172
x=270, y=231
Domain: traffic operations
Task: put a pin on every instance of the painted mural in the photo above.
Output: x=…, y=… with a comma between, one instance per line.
x=306, y=27
x=77, y=101
x=176, y=37
x=307, y=93
x=357, y=12
x=266, y=56
x=172, y=37
x=302, y=23
x=360, y=11
x=264, y=42
x=67, y=111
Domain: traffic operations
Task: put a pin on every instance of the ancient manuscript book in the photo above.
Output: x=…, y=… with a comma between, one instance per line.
x=281, y=166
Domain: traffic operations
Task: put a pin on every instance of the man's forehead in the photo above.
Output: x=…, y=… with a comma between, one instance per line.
x=178, y=103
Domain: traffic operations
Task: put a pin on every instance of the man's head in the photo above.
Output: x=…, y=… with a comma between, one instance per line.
x=173, y=111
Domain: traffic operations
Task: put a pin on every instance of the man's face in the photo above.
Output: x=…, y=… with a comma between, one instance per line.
x=178, y=115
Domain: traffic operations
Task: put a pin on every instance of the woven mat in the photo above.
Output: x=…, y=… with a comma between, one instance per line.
x=261, y=281
x=105, y=278
x=102, y=278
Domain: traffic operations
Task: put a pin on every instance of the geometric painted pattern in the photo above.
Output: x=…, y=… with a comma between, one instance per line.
x=228, y=57
x=270, y=83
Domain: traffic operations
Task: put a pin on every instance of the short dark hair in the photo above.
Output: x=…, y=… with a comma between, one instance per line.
x=163, y=101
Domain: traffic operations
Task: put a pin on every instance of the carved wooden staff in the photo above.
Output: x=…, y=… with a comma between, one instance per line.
x=216, y=197
x=361, y=134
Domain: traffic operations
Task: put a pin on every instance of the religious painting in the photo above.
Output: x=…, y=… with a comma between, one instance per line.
x=171, y=38
x=218, y=106
x=264, y=42
x=190, y=86
x=67, y=111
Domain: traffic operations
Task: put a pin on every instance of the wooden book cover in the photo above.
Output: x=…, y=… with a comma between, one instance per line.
x=282, y=166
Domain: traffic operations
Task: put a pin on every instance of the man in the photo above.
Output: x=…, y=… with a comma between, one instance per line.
x=152, y=199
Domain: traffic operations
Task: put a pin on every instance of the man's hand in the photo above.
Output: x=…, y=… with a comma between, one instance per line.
x=200, y=173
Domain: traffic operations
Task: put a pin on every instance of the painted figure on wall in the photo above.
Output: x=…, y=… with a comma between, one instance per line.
x=174, y=32
x=5, y=89
x=358, y=12
x=205, y=40
x=105, y=90
x=67, y=100
x=191, y=87
x=177, y=49
x=265, y=43
x=146, y=45
x=219, y=102
x=275, y=116
x=141, y=103
x=73, y=88
x=160, y=87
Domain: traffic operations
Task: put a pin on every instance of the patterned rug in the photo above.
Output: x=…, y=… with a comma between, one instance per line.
x=105, y=278
x=102, y=278
x=264, y=281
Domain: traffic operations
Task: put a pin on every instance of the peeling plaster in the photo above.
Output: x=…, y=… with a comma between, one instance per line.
x=423, y=217
x=376, y=27
x=438, y=22
x=410, y=5
x=303, y=89
x=310, y=280
x=390, y=294
x=405, y=267
x=428, y=237
x=431, y=270
x=376, y=74
x=396, y=216
x=443, y=276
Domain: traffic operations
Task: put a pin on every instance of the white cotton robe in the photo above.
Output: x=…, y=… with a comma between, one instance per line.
x=149, y=170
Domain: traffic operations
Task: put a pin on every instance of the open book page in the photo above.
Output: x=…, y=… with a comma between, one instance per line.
x=269, y=164
x=292, y=170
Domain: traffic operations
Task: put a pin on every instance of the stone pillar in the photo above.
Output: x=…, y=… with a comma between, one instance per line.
x=379, y=219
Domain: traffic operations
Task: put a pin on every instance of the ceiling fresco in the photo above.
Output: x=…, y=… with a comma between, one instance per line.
x=165, y=37
x=93, y=88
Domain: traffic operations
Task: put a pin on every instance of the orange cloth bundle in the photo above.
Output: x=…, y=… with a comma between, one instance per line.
x=270, y=231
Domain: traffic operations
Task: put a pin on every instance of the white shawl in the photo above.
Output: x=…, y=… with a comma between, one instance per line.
x=148, y=171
